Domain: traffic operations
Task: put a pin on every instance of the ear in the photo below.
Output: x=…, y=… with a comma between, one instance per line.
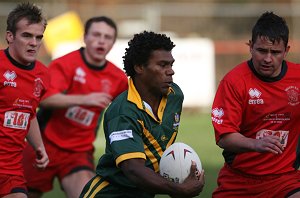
x=9, y=36
x=287, y=50
x=250, y=46
x=139, y=69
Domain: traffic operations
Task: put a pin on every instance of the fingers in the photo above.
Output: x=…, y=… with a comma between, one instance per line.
x=270, y=144
x=42, y=159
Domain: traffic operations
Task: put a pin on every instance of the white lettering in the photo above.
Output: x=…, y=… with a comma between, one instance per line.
x=120, y=135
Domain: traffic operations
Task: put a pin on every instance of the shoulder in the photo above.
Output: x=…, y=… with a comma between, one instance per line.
x=114, y=67
x=40, y=66
x=239, y=73
x=120, y=106
x=67, y=57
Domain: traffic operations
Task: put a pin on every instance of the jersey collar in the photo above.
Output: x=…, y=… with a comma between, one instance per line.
x=134, y=97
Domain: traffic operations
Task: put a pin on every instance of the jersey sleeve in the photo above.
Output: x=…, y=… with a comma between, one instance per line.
x=61, y=77
x=226, y=109
x=123, y=133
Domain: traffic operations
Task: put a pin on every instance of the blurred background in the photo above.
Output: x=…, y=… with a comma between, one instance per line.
x=210, y=35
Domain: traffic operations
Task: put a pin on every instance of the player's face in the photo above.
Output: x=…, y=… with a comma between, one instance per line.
x=158, y=73
x=267, y=56
x=25, y=44
x=99, y=40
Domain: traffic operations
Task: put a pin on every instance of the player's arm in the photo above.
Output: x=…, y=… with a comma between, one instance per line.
x=145, y=178
x=238, y=143
x=35, y=139
x=61, y=100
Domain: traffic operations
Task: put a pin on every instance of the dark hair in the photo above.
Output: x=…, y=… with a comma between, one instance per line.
x=271, y=26
x=140, y=48
x=24, y=10
x=105, y=19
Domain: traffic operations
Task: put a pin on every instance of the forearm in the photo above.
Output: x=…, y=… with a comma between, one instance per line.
x=62, y=101
x=146, y=179
x=34, y=135
x=237, y=143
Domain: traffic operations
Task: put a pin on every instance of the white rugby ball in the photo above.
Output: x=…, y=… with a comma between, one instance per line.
x=175, y=163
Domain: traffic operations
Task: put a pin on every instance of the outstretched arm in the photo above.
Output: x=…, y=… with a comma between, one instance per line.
x=66, y=100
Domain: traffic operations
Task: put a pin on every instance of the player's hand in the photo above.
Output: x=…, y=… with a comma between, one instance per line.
x=270, y=144
x=42, y=159
x=97, y=99
x=193, y=184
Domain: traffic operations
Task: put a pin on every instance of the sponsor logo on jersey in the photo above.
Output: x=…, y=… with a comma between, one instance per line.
x=10, y=76
x=283, y=135
x=217, y=115
x=278, y=117
x=38, y=87
x=120, y=135
x=255, y=95
x=80, y=115
x=293, y=95
x=80, y=75
x=22, y=103
x=16, y=120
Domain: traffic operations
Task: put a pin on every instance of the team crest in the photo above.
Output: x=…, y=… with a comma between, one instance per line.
x=38, y=87
x=176, y=121
x=106, y=85
x=293, y=95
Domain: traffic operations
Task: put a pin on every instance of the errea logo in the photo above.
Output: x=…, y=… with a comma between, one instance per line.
x=255, y=95
x=10, y=76
x=217, y=115
x=80, y=75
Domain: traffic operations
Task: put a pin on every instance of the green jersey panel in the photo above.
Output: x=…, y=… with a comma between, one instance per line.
x=132, y=131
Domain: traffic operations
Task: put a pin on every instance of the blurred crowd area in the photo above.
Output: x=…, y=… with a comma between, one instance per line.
x=227, y=23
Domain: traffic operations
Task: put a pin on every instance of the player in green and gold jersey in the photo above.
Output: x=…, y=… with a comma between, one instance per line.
x=140, y=124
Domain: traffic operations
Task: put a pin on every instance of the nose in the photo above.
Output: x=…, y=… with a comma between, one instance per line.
x=268, y=57
x=33, y=41
x=170, y=72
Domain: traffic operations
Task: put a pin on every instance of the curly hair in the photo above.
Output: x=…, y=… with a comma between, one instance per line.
x=140, y=48
x=24, y=10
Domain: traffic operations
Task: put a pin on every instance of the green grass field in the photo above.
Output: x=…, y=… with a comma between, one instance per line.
x=196, y=131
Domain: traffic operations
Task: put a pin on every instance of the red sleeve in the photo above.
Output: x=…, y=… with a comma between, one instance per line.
x=227, y=109
x=61, y=77
x=123, y=85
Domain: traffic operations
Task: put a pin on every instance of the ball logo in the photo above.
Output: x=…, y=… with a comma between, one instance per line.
x=175, y=163
x=185, y=151
x=171, y=153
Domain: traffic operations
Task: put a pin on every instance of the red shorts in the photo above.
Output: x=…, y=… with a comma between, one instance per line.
x=62, y=163
x=12, y=184
x=234, y=184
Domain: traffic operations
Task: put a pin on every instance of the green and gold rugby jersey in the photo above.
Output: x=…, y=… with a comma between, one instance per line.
x=131, y=131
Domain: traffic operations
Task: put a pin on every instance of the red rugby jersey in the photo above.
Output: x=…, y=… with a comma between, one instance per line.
x=246, y=103
x=75, y=128
x=21, y=88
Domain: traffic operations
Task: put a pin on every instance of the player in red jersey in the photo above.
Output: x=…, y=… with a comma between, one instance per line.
x=83, y=83
x=256, y=118
x=23, y=82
